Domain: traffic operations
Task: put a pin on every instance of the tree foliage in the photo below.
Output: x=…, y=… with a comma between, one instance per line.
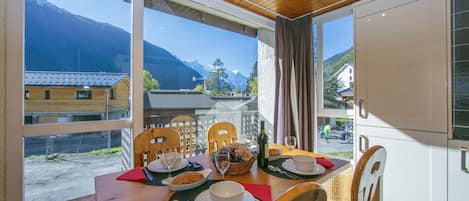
x=200, y=88
x=149, y=83
x=251, y=89
x=216, y=80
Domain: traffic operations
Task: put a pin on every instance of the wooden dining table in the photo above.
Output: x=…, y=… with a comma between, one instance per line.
x=108, y=188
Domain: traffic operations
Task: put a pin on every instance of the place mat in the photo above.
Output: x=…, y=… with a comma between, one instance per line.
x=191, y=194
x=278, y=163
x=157, y=177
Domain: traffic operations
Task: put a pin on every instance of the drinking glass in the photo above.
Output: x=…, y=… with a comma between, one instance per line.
x=170, y=157
x=222, y=162
x=290, y=143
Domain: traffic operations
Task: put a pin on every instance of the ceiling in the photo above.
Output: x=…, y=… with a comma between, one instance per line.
x=290, y=8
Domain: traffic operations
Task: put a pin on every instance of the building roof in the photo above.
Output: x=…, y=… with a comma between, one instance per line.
x=341, y=69
x=55, y=78
x=173, y=99
x=346, y=92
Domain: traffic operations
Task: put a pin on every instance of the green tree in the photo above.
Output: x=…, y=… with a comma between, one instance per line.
x=216, y=80
x=200, y=88
x=251, y=89
x=149, y=83
x=237, y=90
x=331, y=86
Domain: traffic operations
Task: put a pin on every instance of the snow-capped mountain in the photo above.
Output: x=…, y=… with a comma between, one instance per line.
x=235, y=78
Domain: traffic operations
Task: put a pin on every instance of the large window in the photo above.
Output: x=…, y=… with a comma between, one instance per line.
x=200, y=66
x=334, y=61
x=76, y=54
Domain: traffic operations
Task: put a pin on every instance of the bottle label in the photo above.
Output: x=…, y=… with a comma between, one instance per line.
x=266, y=153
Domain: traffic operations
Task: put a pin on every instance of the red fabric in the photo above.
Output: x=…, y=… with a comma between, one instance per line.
x=135, y=174
x=324, y=162
x=259, y=191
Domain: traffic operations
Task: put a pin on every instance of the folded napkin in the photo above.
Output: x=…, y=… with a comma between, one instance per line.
x=324, y=162
x=259, y=191
x=135, y=174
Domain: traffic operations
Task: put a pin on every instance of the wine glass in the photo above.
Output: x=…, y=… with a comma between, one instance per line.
x=170, y=158
x=222, y=162
x=290, y=143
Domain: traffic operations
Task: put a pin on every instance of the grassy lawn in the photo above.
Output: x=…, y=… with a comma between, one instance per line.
x=105, y=151
x=345, y=154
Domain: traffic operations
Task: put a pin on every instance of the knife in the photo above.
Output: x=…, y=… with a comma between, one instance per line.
x=147, y=174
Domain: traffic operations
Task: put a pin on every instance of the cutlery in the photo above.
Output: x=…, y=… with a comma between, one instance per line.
x=194, y=165
x=148, y=174
x=277, y=169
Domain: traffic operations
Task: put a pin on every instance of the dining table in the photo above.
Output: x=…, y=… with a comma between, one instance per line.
x=107, y=188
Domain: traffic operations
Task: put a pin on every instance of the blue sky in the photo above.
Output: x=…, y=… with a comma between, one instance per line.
x=338, y=36
x=188, y=40
x=191, y=40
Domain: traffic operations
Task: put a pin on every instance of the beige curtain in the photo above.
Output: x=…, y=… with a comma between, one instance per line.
x=294, y=104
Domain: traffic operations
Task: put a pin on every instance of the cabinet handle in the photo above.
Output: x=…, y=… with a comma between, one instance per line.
x=463, y=160
x=360, y=143
x=360, y=109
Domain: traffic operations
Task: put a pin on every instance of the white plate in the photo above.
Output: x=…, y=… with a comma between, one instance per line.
x=272, y=158
x=205, y=196
x=289, y=165
x=158, y=166
x=205, y=172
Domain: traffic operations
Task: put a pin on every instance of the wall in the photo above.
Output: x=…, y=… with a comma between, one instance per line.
x=2, y=97
x=63, y=99
x=266, y=76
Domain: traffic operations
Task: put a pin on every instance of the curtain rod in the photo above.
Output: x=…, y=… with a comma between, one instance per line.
x=292, y=19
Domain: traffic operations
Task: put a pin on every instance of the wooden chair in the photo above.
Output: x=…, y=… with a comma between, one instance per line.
x=367, y=183
x=152, y=141
x=307, y=191
x=219, y=134
x=184, y=125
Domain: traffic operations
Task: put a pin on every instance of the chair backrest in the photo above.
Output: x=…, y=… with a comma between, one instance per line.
x=367, y=183
x=307, y=191
x=153, y=141
x=184, y=125
x=219, y=134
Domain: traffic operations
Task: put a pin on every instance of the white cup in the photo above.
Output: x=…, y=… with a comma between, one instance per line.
x=304, y=163
x=226, y=191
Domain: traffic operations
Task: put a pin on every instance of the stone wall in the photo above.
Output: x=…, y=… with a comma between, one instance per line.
x=266, y=77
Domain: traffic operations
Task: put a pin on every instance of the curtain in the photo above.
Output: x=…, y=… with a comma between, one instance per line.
x=294, y=104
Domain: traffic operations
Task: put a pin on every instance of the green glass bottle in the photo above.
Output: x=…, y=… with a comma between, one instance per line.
x=262, y=148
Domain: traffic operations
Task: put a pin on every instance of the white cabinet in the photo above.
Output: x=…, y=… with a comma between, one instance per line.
x=401, y=64
x=415, y=166
x=458, y=172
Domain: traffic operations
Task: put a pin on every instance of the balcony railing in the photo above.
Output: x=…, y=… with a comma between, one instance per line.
x=246, y=122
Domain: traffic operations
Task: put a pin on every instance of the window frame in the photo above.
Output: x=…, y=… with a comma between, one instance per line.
x=46, y=95
x=87, y=93
x=320, y=21
x=15, y=128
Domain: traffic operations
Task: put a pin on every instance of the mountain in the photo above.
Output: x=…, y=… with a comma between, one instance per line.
x=334, y=63
x=235, y=79
x=57, y=40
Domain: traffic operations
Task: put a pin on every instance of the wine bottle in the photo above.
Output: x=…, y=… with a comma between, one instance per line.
x=262, y=148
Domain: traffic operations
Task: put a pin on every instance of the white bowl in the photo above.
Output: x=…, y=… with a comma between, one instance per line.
x=226, y=191
x=304, y=163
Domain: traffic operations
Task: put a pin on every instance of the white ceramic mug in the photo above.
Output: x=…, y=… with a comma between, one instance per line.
x=226, y=191
x=304, y=163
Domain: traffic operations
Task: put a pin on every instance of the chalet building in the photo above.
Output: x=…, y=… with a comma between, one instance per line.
x=162, y=105
x=75, y=96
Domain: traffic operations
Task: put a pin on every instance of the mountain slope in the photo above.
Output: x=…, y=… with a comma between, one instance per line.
x=56, y=40
x=235, y=79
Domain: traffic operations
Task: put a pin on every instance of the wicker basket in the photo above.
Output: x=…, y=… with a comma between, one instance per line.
x=239, y=168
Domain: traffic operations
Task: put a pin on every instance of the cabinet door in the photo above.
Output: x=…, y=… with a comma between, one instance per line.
x=415, y=166
x=458, y=174
x=401, y=67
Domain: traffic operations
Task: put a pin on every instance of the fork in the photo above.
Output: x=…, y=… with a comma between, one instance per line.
x=277, y=169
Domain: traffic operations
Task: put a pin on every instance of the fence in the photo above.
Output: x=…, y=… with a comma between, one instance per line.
x=246, y=122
